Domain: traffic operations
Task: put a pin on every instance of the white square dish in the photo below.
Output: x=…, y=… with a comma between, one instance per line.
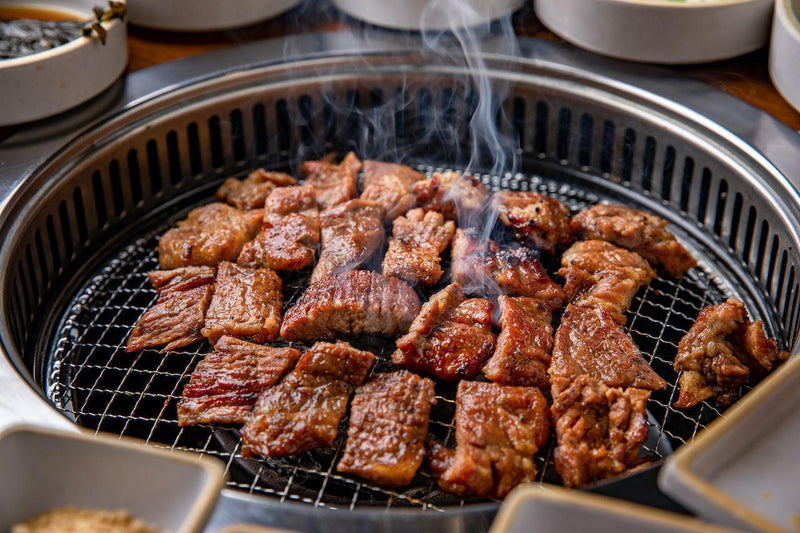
x=550, y=509
x=44, y=469
x=743, y=470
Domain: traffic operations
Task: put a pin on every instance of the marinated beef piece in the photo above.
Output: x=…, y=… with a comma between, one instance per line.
x=525, y=343
x=333, y=184
x=209, y=235
x=289, y=234
x=483, y=269
x=636, y=230
x=303, y=411
x=600, y=274
x=389, y=185
x=454, y=195
x=599, y=430
x=247, y=303
x=722, y=351
x=352, y=303
x=388, y=428
x=252, y=192
x=451, y=338
x=589, y=341
x=498, y=431
x=352, y=233
x=226, y=383
x=417, y=241
x=175, y=320
x=534, y=217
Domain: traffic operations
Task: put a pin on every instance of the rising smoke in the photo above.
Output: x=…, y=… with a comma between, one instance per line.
x=463, y=122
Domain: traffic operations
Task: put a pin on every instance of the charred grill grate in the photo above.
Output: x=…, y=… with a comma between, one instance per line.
x=106, y=389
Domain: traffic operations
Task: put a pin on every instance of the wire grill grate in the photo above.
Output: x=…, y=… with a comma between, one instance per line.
x=104, y=388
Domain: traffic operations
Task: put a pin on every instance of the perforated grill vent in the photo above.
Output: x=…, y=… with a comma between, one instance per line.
x=186, y=151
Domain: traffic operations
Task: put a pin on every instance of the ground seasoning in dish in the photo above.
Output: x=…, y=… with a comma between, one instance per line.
x=77, y=520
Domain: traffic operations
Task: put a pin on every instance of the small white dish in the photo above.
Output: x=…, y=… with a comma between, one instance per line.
x=434, y=15
x=204, y=15
x=784, y=53
x=47, y=83
x=660, y=31
x=743, y=470
x=43, y=469
x=550, y=509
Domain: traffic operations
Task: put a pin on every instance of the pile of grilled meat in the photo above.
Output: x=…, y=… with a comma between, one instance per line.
x=585, y=376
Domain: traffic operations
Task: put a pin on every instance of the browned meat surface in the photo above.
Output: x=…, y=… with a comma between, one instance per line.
x=483, y=269
x=636, y=230
x=210, y=234
x=334, y=184
x=226, y=383
x=600, y=274
x=389, y=185
x=525, y=343
x=388, y=428
x=303, y=411
x=599, y=430
x=498, y=431
x=352, y=303
x=418, y=239
x=247, y=303
x=176, y=318
x=454, y=195
x=534, y=217
x=451, y=338
x=721, y=352
x=352, y=233
x=289, y=234
x=252, y=192
x=589, y=341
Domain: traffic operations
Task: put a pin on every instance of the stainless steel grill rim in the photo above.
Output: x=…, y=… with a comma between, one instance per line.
x=578, y=117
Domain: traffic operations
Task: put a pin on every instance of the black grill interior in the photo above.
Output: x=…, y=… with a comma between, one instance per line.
x=106, y=389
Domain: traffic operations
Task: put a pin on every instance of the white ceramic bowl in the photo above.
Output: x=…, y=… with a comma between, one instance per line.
x=784, y=54
x=412, y=14
x=44, y=84
x=203, y=15
x=42, y=469
x=660, y=31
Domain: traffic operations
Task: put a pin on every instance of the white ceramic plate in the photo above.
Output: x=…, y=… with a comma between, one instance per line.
x=44, y=84
x=42, y=469
x=660, y=31
x=412, y=14
x=784, y=54
x=203, y=15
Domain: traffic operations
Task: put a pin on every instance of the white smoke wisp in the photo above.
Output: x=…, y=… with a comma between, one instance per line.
x=467, y=43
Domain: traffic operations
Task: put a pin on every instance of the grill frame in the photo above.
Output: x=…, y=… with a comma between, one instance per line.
x=717, y=117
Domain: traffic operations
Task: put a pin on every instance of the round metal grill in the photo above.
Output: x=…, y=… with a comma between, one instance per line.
x=135, y=394
x=82, y=199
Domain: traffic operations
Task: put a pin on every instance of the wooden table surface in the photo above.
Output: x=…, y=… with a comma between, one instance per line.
x=746, y=77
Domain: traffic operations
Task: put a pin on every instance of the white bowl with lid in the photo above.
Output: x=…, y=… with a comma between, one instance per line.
x=661, y=31
x=204, y=15
x=46, y=83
